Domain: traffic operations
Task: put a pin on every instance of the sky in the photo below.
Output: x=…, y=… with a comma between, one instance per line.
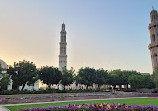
x=109, y=34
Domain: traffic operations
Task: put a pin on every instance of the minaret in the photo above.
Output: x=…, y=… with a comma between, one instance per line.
x=62, y=55
x=153, y=46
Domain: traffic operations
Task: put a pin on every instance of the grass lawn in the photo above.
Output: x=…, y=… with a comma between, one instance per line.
x=134, y=101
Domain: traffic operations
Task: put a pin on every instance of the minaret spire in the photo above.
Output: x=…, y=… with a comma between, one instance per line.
x=62, y=55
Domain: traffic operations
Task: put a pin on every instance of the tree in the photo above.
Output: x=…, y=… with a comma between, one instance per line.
x=4, y=82
x=49, y=75
x=14, y=76
x=67, y=77
x=22, y=73
x=101, y=77
x=141, y=81
x=116, y=78
x=135, y=81
x=126, y=74
x=86, y=76
x=4, y=79
x=148, y=82
x=112, y=80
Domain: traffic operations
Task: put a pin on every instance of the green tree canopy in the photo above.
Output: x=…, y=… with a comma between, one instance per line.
x=67, y=77
x=126, y=74
x=22, y=73
x=141, y=81
x=49, y=75
x=116, y=78
x=4, y=79
x=86, y=76
x=101, y=77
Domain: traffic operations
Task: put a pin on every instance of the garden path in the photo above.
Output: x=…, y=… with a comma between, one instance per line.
x=3, y=108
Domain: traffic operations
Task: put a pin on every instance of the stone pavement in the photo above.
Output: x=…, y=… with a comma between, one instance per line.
x=2, y=108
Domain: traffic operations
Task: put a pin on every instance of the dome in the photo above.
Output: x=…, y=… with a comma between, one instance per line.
x=3, y=64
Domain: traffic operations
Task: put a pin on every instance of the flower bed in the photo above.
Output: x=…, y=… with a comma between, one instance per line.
x=95, y=107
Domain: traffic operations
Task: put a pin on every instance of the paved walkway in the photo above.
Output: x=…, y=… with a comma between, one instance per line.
x=2, y=107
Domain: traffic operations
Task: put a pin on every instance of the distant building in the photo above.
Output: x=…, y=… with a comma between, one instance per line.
x=3, y=64
x=62, y=55
x=153, y=46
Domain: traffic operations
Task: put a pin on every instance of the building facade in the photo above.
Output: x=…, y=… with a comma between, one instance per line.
x=62, y=55
x=153, y=46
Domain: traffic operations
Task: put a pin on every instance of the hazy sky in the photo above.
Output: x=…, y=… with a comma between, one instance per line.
x=109, y=34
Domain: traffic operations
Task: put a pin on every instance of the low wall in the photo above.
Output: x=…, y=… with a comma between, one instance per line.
x=31, y=98
x=144, y=90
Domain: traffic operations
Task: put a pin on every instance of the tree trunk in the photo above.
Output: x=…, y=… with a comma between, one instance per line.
x=76, y=86
x=99, y=86
x=87, y=87
x=22, y=87
x=49, y=86
x=17, y=88
x=120, y=87
x=14, y=86
x=114, y=88
x=127, y=87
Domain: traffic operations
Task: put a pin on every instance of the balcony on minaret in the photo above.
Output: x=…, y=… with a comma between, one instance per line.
x=153, y=25
x=152, y=45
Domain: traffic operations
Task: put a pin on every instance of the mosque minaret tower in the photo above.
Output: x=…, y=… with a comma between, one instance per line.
x=62, y=55
x=153, y=46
